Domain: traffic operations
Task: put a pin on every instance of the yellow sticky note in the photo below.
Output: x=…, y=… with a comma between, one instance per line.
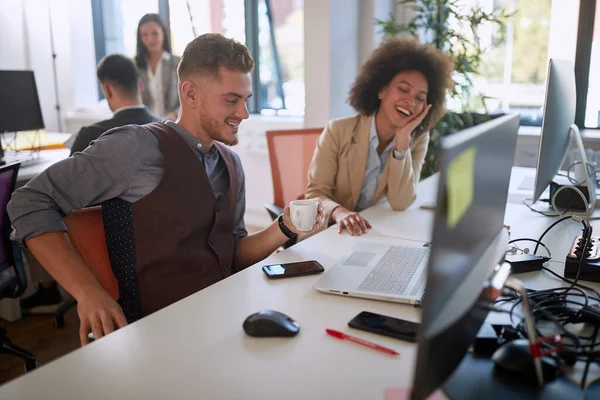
x=460, y=185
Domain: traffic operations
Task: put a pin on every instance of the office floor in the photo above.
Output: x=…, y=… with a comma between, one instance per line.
x=39, y=335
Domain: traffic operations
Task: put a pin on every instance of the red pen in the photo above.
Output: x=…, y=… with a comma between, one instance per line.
x=343, y=336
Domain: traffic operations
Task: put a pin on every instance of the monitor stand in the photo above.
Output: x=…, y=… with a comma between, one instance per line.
x=589, y=181
x=475, y=379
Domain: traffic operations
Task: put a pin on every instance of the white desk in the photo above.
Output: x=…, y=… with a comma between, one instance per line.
x=48, y=157
x=196, y=348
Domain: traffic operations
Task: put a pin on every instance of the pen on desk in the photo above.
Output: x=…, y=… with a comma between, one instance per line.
x=343, y=336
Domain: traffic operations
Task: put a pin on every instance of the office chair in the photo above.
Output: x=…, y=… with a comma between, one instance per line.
x=290, y=154
x=86, y=232
x=104, y=251
x=13, y=279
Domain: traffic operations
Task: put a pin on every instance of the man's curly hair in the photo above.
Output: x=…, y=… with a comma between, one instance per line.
x=394, y=56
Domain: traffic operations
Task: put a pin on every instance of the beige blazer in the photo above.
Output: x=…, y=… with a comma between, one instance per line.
x=337, y=170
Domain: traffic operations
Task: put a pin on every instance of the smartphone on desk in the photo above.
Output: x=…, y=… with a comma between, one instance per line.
x=292, y=269
x=387, y=326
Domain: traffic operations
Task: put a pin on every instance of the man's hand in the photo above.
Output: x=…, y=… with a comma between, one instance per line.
x=350, y=220
x=287, y=219
x=100, y=314
x=403, y=134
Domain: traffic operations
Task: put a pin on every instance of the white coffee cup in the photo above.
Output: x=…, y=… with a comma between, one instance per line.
x=304, y=214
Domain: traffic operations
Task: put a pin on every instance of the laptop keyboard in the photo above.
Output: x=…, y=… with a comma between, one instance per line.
x=394, y=271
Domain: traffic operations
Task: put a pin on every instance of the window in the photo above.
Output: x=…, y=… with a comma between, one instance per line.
x=272, y=30
x=281, y=57
x=190, y=18
x=514, y=73
x=592, y=114
x=115, y=24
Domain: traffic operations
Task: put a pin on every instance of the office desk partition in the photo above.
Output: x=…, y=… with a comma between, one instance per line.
x=196, y=348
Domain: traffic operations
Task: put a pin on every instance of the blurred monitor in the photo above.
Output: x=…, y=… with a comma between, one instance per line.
x=557, y=124
x=464, y=253
x=19, y=103
x=19, y=111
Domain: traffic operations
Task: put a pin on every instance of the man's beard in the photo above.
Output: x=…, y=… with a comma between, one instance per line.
x=214, y=130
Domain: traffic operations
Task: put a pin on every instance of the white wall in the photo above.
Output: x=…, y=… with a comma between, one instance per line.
x=339, y=35
x=26, y=43
x=13, y=49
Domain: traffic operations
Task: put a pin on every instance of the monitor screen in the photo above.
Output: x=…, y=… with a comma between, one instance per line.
x=559, y=115
x=19, y=103
x=468, y=242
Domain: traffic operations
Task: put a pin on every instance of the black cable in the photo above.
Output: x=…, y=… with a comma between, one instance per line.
x=582, y=286
x=562, y=306
x=548, y=230
x=560, y=315
x=587, y=364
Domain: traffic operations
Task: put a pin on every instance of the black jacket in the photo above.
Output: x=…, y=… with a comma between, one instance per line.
x=137, y=116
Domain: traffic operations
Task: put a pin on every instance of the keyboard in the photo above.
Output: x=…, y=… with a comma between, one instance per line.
x=395, y=270
x=24, y=159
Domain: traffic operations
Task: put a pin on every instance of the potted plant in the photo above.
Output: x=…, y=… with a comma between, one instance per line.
x=452, y=28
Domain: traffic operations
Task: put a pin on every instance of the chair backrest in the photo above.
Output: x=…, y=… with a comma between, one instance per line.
x=8, y=179
x=12, y=285
x=86, y=232
x=290, y=154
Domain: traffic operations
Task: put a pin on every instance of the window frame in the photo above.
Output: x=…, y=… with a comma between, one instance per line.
x=583, y=58
x=100, y=35
x=252, y=30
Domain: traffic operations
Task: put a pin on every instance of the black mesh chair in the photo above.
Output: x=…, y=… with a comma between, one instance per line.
x=13, y=279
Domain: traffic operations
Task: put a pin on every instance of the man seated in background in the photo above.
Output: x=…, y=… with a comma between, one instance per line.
x=120, y=84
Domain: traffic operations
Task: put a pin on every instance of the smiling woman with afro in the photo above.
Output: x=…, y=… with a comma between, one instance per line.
x=378, y=153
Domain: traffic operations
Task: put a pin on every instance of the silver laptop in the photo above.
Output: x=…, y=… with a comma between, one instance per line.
x=399, y=274
x=381, y=272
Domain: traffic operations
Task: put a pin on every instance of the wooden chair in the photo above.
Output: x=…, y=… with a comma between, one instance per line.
x=290, y=154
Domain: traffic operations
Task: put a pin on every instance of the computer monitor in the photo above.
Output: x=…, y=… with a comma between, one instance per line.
x=557, y=128
x=468, y=243
x=19, y=110
x=19, y=102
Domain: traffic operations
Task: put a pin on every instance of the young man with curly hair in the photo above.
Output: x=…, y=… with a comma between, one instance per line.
x=378, y=153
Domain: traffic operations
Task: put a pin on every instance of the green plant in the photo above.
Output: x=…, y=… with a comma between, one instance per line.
x=453, y=29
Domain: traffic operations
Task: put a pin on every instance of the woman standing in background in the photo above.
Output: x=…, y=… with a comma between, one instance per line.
x=157, y=67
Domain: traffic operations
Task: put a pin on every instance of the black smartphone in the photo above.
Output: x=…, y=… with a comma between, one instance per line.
x=293, y=269
x=387, y=326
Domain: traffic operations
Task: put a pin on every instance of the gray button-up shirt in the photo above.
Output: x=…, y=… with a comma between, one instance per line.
x=123, y=163
x=375, y=165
